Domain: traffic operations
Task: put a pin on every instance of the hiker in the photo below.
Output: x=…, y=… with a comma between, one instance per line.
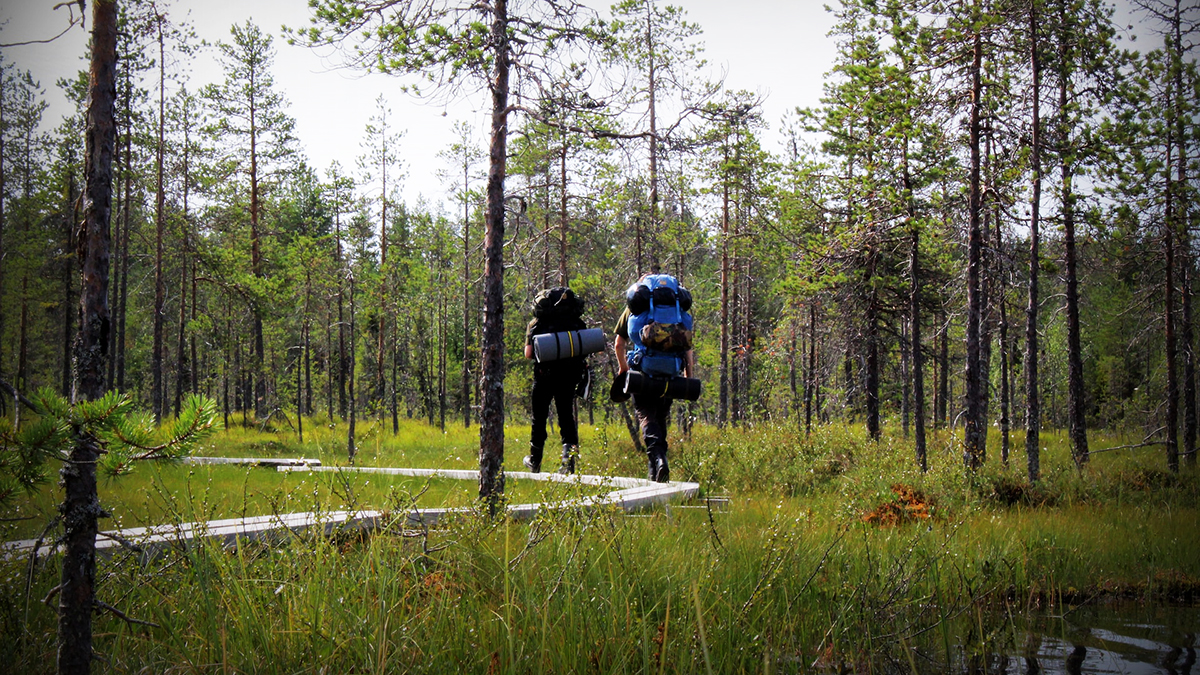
x=555, y=310
x=657, y=307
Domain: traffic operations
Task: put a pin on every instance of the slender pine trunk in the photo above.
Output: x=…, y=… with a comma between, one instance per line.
x=1033, y=412
x=81, y=506
x=491, y=427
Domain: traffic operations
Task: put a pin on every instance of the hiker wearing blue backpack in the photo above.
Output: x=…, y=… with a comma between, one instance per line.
x=655, y=360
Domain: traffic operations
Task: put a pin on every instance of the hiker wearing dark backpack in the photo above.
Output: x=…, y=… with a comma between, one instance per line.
x=554, y=311
x=654, y=341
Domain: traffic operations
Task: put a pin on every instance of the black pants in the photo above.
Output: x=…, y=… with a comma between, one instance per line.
x=559, y=387
x=653, y=412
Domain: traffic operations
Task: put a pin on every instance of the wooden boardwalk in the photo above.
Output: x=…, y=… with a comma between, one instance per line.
x=631, y=494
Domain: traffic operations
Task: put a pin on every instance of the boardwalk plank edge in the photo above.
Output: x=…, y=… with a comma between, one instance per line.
x=634, y=494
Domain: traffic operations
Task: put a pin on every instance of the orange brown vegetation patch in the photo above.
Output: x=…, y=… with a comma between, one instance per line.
x=909, y=505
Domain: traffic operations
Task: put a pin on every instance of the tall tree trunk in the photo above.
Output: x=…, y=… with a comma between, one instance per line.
x=395, y=380
x=810, y=380
x=342, y=364
x=351, y=448
x=943, y=402
x=916, y=358
x=384, y=279
x=466, y=295
x=491, y=423
x=308, y=388
x=1172, y=442
x=329, y=367
x=987, y=287
x=1181, y=137
x=1033, y=411
x=723, y=410
x=562, y=215
x=71, y=217
x=796, y=348
x=1001, y=303
x=181, y=362
x=81, y=505
x=652, y=91
x=974, y=435
x=905, y=378
x=3, y=225
x=23, y=339
x=1077, y=419
x=259, y=375
x=871, y=335
x=443, y=324
x=158, y=396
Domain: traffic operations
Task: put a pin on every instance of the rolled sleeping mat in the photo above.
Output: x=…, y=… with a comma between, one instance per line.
x=567, y=344
x=686, y=388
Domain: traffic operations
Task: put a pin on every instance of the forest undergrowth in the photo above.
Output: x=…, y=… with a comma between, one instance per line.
x=813, y=555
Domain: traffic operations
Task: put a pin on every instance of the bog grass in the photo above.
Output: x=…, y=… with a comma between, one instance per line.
x=834, y=553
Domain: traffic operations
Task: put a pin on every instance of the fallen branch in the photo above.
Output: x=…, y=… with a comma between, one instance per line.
x=1146, y=442
x=100, y=604
x=12, y=391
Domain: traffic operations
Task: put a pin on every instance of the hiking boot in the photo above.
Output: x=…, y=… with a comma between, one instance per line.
x=659, y=471
x=533, y=461
x=569, y=455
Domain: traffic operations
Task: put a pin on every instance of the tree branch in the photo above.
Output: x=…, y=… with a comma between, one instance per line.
x=12, y=391
x=100, y=604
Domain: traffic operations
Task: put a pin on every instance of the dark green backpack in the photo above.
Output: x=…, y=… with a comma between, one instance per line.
x=557, y=305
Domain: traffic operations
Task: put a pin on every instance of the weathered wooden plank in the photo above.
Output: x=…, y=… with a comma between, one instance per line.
x=634, y=494
x=254, y=461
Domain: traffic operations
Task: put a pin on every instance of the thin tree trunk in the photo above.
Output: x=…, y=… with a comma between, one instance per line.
x=562, y=216
x=181, y=362
x=652, y=92
x=329, y=369
x=466, y=294
x=1181, y=166
x=395, y=380
x=491, y=427
x=342, y=363
x=916, y=358
x=71, y=216
x=351, y=449
x=81, y=505
x=308, y=389
x=871, y=376
x=974, y=439
x=384, y=278
x=1033, y=411
x=810, y=382
x=1172, y=442
x=723, y=411
x=1077, y=419
x=158, y=396
x=443, y=323
x=1001, y=308
x=796, y=347
x=300, y=391
x=3, y=225
x=943, y=402
x=905, y=378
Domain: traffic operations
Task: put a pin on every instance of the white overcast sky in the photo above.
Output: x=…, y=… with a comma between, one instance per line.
x=777, y=48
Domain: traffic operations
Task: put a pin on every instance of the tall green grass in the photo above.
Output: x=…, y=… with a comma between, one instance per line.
x=788, y=578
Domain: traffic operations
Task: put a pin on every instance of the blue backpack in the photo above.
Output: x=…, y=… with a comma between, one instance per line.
x=660, y=325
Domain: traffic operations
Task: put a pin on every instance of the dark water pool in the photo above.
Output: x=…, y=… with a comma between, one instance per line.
x=1129, y=639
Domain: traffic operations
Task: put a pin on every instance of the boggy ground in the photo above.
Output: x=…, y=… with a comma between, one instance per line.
x=832, y=553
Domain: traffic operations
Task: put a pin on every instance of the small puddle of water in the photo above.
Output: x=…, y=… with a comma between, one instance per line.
x=1125, y=639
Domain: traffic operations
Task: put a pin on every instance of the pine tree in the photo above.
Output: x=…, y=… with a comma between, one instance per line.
x=250, y=122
